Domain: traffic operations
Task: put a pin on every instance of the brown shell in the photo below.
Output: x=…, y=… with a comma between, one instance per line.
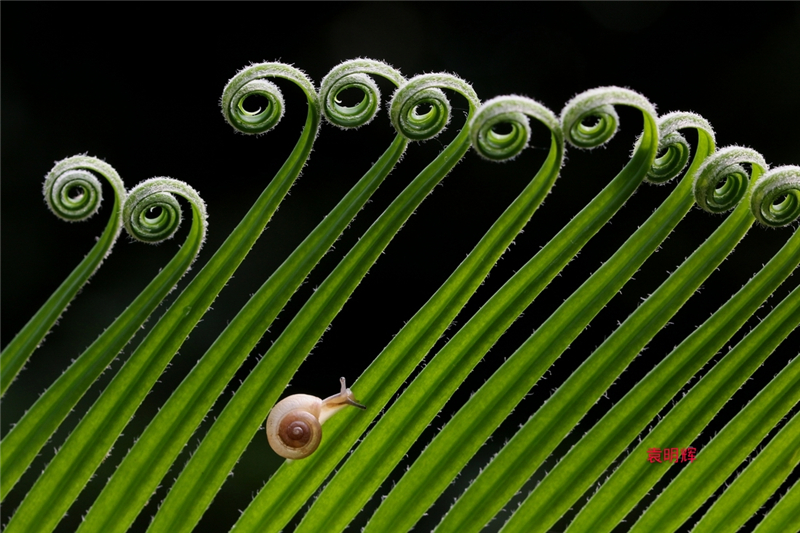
x=294, y=426
x=295, y=433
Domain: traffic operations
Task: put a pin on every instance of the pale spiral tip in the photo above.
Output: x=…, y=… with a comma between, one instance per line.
x=73, y=192
x=775, y=200
x=250, y=83
x=673, y=147
x=152, y=214
x=425, y=90
x=678, y=120
x=597, y=104
x=674, y=150
x=722, y=181
x=354, y=74
x=512, y=111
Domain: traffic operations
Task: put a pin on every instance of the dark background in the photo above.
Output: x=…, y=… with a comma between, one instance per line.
x=138, y=85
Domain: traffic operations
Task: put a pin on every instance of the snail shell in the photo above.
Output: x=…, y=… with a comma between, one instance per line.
x=294, y=426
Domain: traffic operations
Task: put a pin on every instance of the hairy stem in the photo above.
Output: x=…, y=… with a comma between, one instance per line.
x=72, y=193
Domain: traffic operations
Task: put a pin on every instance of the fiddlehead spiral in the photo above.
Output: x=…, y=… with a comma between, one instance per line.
x=152, y=214
x=74, y=193
x=674, y=147
x=597, y=104
x=514, y=112
x=250, y=82
x=722, y=181
x=353, y=74
x=425, y=90
x=675, y=154
x=775, y=200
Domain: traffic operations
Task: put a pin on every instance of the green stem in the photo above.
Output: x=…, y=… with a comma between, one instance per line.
x=636, y=476
x=67, y=177
x=756, y=484
x=725, y=452
x=785, y=516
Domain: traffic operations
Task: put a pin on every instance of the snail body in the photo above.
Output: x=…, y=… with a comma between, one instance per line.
x=294, y=426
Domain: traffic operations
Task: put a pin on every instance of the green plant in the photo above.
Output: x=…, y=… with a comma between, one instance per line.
x=418, y=110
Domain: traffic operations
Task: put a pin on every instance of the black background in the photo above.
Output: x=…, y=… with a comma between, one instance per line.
x=138, y=85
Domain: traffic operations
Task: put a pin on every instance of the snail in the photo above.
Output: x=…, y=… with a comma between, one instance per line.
x=294, y=426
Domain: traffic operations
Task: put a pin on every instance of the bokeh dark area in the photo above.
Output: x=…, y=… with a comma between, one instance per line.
x=139, y=86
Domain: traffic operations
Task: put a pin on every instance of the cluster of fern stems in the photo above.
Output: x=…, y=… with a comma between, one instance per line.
x=743, y=472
